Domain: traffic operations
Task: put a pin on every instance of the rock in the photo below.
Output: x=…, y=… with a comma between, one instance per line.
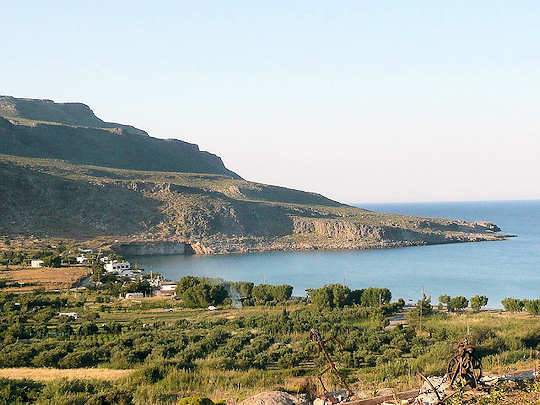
x=428, y=396
x=274, y=398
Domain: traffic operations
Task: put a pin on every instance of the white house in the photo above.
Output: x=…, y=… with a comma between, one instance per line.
x=81, y=259
x=117, y=267
x=73, y=315
x=36, y=263
x=134, y=295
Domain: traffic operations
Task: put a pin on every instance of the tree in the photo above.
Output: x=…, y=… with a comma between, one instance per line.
x=458, y=303
x=88, y=328
x=444, y=299
x=52, y=261
x=355, y=297
x=64, y=329
x=330, y=296
x=196, y=292
x=375, y=297
x=422, y=309
x=532, y=306
x=322, y=298
x=478, y=301
x=512, y=304
x=266, y=293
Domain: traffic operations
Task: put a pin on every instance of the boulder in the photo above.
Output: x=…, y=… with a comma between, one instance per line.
x=274, y=398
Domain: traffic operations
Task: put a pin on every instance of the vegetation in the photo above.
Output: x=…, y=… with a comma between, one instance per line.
x=512, y=304
x=478, y=301
x=458, y=303
x=177, y=351
x=197, y=292
x=338, y=296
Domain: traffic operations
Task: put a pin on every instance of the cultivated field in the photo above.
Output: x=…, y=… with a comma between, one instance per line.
x=20, y=279
x=49, y=374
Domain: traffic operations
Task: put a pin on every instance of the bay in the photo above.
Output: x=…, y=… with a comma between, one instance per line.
x=499, y=269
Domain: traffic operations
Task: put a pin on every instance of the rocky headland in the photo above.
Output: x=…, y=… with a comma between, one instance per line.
x=113, y=186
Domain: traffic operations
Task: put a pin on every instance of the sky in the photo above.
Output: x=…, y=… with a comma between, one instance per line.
x=362, y=101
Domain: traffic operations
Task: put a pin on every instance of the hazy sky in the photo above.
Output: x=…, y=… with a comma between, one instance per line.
x=361, y=101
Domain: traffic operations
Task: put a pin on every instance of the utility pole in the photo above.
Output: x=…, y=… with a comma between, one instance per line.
x=422, y=307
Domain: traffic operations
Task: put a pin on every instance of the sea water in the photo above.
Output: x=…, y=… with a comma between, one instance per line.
x=497, y=269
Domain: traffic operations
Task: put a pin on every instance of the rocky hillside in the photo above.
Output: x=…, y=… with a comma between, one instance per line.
x=71, y=132
x=68, y=174
x=213, y=213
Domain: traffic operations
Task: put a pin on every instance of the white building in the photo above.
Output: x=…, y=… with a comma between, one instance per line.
x=165, y=290
x=36, y=263
x=81, y=259
x=117, y=267
x=73, y=315
x=134, y=295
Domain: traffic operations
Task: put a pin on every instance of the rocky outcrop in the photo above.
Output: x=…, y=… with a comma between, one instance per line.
x=276, y=398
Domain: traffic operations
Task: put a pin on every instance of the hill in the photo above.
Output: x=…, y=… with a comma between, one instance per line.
x=68, y=174
x=212, y=213
x=71, y=132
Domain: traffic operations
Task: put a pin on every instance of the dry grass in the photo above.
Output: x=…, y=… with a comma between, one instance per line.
x=48, y=374
x=44, y=277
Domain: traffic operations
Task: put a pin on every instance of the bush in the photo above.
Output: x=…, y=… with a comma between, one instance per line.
x=195, y=401
x=79, y=359
x=19, y=391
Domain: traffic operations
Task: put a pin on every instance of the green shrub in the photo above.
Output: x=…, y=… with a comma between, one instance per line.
x=195, y=401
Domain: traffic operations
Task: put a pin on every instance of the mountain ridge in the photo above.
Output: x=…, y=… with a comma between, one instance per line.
x=72, y=132
x=102, y=185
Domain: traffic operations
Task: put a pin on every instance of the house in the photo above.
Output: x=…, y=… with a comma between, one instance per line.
x=81, y=259
x=117, y=267
x=73, y=315
x=166, y=289
x=134, y=295
x=36, y=263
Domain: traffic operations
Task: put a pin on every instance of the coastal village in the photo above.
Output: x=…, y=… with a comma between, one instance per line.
x=112, y=265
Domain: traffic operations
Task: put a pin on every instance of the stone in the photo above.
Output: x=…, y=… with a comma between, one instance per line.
x=274, y=398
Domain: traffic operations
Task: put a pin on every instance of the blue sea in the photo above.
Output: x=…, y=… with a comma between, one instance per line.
x=499, y=269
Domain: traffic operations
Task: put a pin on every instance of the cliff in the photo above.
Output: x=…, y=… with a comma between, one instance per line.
x=71, y=132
